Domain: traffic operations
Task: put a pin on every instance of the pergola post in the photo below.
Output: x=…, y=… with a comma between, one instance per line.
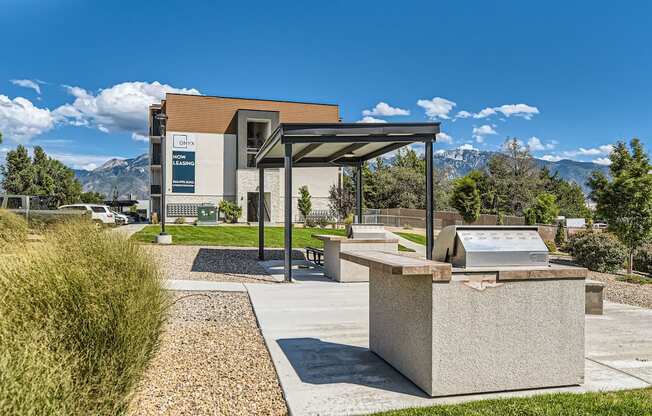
x=261, y=213
x=430, y=201
x=358, y=192
x=288, y=212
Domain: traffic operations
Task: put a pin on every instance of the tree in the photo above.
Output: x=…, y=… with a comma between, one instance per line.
x=570, y=197
x=18, y=172
x=625, y=200
x=560, y=236
x=543, y=211
x=40, y=176
x=466, y=199
x=341, y=199
x=514, y=179
x=304, y=203
x=92, y=197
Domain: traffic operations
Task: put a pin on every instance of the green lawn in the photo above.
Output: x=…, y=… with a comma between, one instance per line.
x=415, y=238
x=623, y=403
x=234, y=236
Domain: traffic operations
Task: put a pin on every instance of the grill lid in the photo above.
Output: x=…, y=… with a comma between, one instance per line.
x=482, y=246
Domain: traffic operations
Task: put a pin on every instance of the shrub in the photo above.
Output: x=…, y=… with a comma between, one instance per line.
x=180, y=220
x=13, y=230
x=552, y=247
x=601, y=252
x=310, y=222
x=643, y=259
x=231, y=211
x=560, y=236
x=80, y=319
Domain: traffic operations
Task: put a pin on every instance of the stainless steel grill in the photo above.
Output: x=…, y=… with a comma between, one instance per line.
x=487, y=246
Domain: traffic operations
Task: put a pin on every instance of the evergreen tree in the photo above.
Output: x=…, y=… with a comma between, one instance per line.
x=466, y=199
x=18, y=172
x=304, y=203
x=560, y=236
x=625, y=200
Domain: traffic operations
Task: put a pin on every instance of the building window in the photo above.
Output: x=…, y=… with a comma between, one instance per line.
x=257, y=132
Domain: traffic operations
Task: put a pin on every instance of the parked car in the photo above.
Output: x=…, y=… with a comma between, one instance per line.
x=99, y=213
x=120, y=219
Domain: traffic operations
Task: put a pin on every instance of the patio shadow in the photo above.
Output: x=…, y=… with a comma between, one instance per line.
x=236, y=261
x=320, y=362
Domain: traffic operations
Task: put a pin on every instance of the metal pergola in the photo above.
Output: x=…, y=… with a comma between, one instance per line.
x=341, y=145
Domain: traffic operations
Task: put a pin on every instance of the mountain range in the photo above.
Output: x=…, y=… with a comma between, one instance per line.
x=131, y=176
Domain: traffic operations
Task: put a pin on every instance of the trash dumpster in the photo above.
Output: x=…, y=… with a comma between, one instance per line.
x=206, y=215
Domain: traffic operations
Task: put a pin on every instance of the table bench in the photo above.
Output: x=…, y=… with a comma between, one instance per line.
x=343, y=270
x=317, y=255
x=459, y=331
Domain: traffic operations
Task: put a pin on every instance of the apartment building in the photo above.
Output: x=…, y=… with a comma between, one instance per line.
x=209, y=153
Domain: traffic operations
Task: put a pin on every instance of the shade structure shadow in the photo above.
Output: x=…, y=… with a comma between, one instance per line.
x=236, y=261
x=321, y=362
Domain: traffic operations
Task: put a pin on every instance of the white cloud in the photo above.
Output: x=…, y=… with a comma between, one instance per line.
x=592, y=151
x=551, y=158
x=384, y=109
x=479, y=133
x=602, y=161
x=518, y=110
x=485, y=113
x=140, y=137
x=535, y=144
x=122, y=107
x=81, y=161
x=437, y=107
x=444, y=138
x=467, y=146
x=27, y=83
x=368, y=119
x=20, y=120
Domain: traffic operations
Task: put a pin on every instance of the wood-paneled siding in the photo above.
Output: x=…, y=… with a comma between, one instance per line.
x=205, y=114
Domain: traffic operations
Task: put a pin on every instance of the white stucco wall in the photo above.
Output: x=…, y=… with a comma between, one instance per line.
x=216, y=177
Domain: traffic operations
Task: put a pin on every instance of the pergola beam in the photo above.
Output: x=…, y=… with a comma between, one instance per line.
x=305, y=151
x=343, y=152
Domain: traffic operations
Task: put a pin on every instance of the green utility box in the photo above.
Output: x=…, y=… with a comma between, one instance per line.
x=207, y=215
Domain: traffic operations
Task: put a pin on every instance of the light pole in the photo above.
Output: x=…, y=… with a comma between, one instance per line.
x=163, y=238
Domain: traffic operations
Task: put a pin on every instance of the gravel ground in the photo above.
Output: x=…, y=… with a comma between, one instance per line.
x=212, y=361
x=623, y=292
x=222, y=264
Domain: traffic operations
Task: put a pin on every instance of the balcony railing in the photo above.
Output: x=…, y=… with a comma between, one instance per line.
x=155, y=189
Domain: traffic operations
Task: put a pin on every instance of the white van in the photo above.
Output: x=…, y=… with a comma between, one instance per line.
x=99, y=213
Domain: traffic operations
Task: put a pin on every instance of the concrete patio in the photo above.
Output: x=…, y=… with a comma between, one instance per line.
x=317, y=334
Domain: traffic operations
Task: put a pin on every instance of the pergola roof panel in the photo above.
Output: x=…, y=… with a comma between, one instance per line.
x=336, y=144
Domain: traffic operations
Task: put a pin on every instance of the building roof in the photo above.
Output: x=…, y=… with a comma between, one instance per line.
x=340, y=144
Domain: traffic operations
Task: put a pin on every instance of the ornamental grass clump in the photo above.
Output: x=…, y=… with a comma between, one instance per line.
x=13, y=231
x=80, y=318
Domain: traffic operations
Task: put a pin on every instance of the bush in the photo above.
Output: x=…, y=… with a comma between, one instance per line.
x=643, y=259
x=231, y=211
x=552, y=247
x=601, y=252
x=180, y=220
x=13, y=230
x=560, y=236
x=80, y=319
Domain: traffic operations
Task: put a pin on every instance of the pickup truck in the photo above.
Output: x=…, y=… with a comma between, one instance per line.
x=34, y=207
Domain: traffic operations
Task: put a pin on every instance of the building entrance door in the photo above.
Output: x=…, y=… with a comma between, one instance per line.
x=252, y=206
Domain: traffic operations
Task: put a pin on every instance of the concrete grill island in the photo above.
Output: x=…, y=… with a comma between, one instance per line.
x=490, y=315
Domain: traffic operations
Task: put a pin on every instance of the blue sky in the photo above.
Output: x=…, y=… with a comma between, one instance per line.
x=569, y=78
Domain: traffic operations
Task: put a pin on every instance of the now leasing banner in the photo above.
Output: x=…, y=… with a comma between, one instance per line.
x=183, y=164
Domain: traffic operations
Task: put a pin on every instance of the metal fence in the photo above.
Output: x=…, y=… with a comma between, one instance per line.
x=416, y=218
